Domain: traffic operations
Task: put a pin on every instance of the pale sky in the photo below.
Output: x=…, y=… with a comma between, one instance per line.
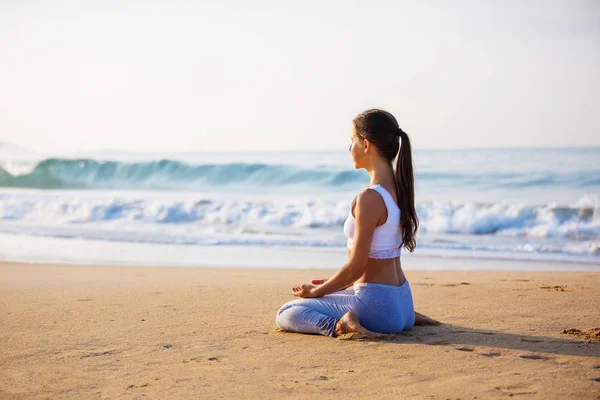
x=256, y=75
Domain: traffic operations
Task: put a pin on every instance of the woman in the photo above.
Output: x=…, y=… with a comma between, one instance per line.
x=382, y=220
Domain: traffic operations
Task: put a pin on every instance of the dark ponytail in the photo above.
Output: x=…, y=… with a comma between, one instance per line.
x=405, y=186
x=381, y=128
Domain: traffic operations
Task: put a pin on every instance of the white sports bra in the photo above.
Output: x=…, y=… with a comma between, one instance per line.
x=387, y=238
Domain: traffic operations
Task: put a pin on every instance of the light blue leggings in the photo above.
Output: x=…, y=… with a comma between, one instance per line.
x=379, y=308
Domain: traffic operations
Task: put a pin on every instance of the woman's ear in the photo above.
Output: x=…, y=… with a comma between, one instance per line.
x=366, y=146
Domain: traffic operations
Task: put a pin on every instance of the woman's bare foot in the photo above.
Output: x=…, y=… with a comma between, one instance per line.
x=349, y=324
x=421, y=319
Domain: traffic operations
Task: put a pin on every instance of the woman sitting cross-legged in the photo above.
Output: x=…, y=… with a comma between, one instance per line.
x=381, y=221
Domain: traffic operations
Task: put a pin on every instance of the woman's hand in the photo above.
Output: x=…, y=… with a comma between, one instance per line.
x=305, y=291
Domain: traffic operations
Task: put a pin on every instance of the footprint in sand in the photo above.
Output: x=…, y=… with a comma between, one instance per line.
x=557, y=288
x=516, y=390
x=535, y=357
x=490, y=354
x=464, y=348
x=99, y=353
x=138, y=386
x=593, y=335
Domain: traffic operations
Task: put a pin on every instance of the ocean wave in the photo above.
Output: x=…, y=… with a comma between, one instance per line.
x=167, y=174
x=171, y=218
x=178, y=175
x=580, y=221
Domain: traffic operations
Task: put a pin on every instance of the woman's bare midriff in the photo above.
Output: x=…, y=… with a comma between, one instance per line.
x=386, y=271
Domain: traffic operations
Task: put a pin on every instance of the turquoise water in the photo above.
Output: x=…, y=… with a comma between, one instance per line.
x=529, y=203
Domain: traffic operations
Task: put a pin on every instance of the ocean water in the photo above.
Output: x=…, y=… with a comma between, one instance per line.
x=530, y=204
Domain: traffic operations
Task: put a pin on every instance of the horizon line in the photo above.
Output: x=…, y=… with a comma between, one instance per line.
x=292, y=150
x=324, y=150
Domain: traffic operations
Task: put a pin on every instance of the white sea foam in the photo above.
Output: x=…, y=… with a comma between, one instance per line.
x=202, y=220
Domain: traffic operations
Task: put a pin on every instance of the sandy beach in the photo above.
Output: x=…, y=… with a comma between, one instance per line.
x=75, y=332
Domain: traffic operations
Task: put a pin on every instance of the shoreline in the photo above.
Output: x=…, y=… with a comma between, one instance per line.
x=45, y=250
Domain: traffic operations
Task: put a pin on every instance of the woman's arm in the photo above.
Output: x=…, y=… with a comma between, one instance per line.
x=322, y=281
x=368, y=212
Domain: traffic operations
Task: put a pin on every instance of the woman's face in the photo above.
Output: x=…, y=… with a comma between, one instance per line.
x=357, y=149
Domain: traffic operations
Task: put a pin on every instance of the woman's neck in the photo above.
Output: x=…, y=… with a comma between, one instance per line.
x=381, y=172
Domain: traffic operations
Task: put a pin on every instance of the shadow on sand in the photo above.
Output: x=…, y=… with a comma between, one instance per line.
x=467, y=339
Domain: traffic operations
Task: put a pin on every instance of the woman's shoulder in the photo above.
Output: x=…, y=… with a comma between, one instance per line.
x=369, y=201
